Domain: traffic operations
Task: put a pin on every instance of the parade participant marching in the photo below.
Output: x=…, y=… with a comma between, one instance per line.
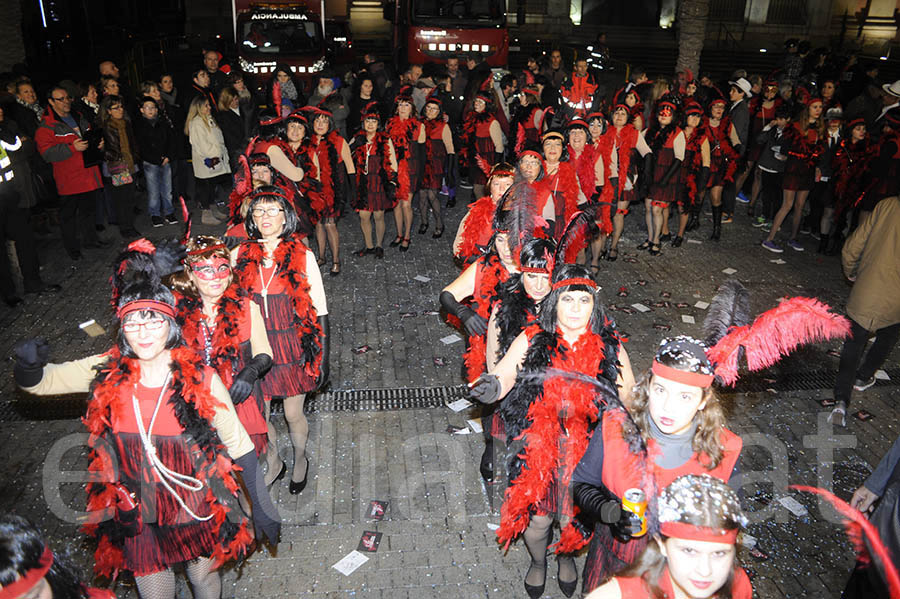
x=560, y=178
x=279, y=272
x=271, y=142
x=531, y=168
x=884, y=169
x=169, y=422
x=475, y=228
x=762, y=112
x=694, y=555
x=666, y=141
x=296, y=134
x=851, y=167
x=596, y=126
x=440, y=163
x=376, y=177
x=525, y=128
x=407, y=134
x=481, y=142
x=591, y=176
x=724, y=157
x=695, y=171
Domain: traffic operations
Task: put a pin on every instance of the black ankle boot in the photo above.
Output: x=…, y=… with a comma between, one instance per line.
x=693, y=222
x=717, y=223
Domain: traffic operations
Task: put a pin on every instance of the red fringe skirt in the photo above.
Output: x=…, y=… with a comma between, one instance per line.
x=798, y=176
x=286, y=378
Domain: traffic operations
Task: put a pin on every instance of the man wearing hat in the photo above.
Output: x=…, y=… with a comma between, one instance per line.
x=739, y=113
x=890, y=98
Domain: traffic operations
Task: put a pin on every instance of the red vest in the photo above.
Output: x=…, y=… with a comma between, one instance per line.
x=636, y=588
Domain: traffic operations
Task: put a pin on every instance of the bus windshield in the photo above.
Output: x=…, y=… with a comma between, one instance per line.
x=280, y=35
x=459, y=12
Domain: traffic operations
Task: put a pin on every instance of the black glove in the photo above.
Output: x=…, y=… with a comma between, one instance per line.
x=739, y=149
x=232, y=242
x=475, y=324
x=242, y=386
x=598, y=191
x=673, y=168
x=266, y=520
x=351, y=187
x=601, y=505
x=452, y=174
x=628, y=526
x=702, y=180
x=646, y=177
x=31, y=357
x=498, y=158
x=324, y=369
x=168, y=257
x=485, y=389
x=419, y=149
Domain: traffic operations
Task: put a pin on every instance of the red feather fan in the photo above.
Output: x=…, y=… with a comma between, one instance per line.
x=243, y=185
x=483, y=164
x=143, y=245
x=864, y=536
x=276, y=98
x=579, y=231
x=774, y=334
x=520, y=139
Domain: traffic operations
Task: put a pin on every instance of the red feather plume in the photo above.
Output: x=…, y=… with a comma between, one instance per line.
x=243, y=185
x=864, y=537
x=276, y=98
x=578, y=233
x=142, y=245
x=520, y=139
x=483, y=164
x=186, y=216
x=774, y=334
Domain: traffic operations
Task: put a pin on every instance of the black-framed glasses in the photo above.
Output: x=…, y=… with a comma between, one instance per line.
x=63, y=99
x=273, y=211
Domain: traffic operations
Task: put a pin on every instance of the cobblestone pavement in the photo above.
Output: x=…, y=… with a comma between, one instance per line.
x=436, y=536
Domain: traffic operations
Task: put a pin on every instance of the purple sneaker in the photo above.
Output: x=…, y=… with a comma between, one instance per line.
x=795, y=245
x=772, y=246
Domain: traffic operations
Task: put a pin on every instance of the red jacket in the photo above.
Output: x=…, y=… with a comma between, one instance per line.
x=55, y=141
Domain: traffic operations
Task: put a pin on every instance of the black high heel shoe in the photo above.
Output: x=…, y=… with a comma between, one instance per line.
x=281, y=474
x=297, y=488
x=423, y=228
x=437, y=233
x=487, y=464
x=397, y=241
x=567, y=588
x=535, y=591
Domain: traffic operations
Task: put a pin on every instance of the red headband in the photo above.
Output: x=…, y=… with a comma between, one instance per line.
x=272, y=121
x=695, y=379
x=664, y=105
x=812, y=100
x=531, y=153
x=717, y=101
x=533, y=92
x=575, y=281
x=30, y=579
x=536, y=270
x=208, y=248
x=855, y=122
x=682, y=530
x=141, y=305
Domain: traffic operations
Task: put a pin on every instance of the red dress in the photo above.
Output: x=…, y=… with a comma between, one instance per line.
x=404, y=133
x=477, y=147
x=803, y=151
x=637, y=588
x=722, y=157
x=373, y=170
x=435, y=155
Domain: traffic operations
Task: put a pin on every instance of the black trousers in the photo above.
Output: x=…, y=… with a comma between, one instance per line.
x=123, y=199
x=206, y=190
x=76, y=212
x=14, y=226
x=771, y=193
x=852, y=354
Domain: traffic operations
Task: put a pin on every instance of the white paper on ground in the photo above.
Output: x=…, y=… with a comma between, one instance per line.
x=729, y=271
x=793, y=506
x=697, y=241
x=475, y=423
x=421, y=278
x=350, y=562
x=748, y=541
x=493, y=526
x=777, y=261
x=882, y=375
x=688, y=319
x=702, y=305
x=459, y=405
x=452, y=338
x=463, y=431
x=640, y=307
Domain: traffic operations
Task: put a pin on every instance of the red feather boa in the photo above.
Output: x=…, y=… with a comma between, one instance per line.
x=695, y=146
x=561, y=423
x=623, y=141
x=492, y=273
x=477, y=230
x=403, y=133
x=851, y=163
x=326, y=151
x=567, y=184
x=226, y=346
x=806, y=147
x=106, y=407
x=467, y=139
x=290, y=256
x=432, y=171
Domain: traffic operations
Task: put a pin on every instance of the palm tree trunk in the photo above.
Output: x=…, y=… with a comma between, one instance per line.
x=692, y=16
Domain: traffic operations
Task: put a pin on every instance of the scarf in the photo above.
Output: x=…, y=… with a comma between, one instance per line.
x=288, y=90
x=36, y=108
x=121, y=128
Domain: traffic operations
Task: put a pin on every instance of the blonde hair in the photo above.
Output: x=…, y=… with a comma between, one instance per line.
x=226, y=96
x=194, y=112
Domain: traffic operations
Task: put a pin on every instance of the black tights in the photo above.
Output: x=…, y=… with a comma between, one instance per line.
x=537, y=538
x=426, y=197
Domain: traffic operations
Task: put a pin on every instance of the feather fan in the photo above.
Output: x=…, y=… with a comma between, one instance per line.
x=729, y=308
x=582, y=227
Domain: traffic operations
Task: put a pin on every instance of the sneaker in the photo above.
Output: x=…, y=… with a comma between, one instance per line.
x=727, y=218
x=759, y=222
x=767, y=226
x=838, y=415
x=861, y=385
x=772, y=246
x=157, y=221
x=816, y=235
x=795, y=245
x=742, y=198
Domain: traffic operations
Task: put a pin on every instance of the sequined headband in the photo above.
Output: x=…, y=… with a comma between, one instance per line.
x=682, y=530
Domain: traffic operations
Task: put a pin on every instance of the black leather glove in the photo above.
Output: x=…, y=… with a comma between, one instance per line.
x=168, y=257
x=628, y=526
x=324, y=366
x=242, y=386
x=646, y=177
x=673, y=168
x=452, y=174
x=266, y=520
x=702, y=180
x=419, y=149
x=351, y=187
x=739, y=149
x=598, y=191
x=474, y=324
x=485, y=389
x=498, y=158
x=31, y=357
x=601, y=505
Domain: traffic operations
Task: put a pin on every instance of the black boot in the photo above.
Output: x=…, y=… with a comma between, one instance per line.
x=717, y=223
x=823, y=243
x=693, y=221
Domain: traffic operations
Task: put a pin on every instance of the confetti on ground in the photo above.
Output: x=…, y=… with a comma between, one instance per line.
x=729, y=271
x=793, y=506
x=430, y=313
x=439, y=361
x=688, y=319
x=421, y=278
x=361, y=349
x=377, y=509
x=777, y=261
x=697, y=241
x=882, y=375
x=702, y=305
x=642, y=283
x=640, y=307
x=748, y=541
x=493, y=526
x=475, y=423
x=459, y=405
x=452, y=338
x=369, y=541
x=662, y=327
x=350, y=562
x=682, y=305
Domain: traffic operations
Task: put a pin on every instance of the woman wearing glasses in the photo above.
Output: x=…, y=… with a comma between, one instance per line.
x=119, y=162
x=168, y=422
x=281, y=275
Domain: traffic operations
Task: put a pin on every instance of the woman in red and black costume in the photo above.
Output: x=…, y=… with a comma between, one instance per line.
x=476, y=227
x=762, y=112
x=631, y=99
x=440, y=163
x=334, y=165
x=884, y=170
x=596, y=127
x=271, y=142
x=29, y=569
x=561, y=179
x=280, y=274
x=408, y=136
x=226, y=330
x=376, y=178
x=694, y=555
x=481, y=142
x=525, y=128
x=619, y=148
x=309, y=203
x=723, y=141
x=694, y=172
x=803, y=142
x=531, y=168
x=852, y=161
x=546, y=382
x=592, y=183
x=659, y=178
x=168, y=423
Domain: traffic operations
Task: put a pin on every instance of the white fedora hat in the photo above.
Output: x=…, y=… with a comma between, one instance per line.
x=743, y=85
x=892, y=88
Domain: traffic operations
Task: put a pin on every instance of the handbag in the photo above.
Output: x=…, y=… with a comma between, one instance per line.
x=120, y=175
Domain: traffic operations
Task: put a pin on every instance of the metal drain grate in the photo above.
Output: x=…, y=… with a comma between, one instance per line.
x=38, y=409
x=374, y=400
x=796, y=381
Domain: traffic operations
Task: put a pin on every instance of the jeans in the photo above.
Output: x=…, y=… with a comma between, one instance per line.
x=852, y=353
x=159, y=188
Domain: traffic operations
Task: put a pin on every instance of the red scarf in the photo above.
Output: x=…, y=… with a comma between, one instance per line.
x=326, y=149
x=490, y=275
x=566, y=183
x=694, y=145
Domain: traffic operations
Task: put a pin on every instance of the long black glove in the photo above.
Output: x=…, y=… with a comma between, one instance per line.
x=452, y=174
x=673, y=168
x=646, y=177
x=486, y=389
x=31, y=357
x=168, y=257
x=595, y=197
x=475, y=324
x=324, y=366
x=601, y=505
x=242, y=386
x=498, y=158
x=266, y=519
x=702, y=180
x=351, y=187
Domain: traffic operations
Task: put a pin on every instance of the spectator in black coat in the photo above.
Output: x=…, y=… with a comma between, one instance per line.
x=232, y=124
x=249, y=105
x=156, y=145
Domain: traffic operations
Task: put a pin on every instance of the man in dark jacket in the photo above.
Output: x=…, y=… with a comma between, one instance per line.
x=61, y=142
x=156, y=147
